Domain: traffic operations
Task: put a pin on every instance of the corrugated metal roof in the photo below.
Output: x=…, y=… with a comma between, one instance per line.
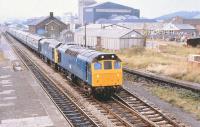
x=197, y=17
x=185, y=26
x=171, y=26
x=97, y=4
x=95, y=26
x=110, y=33
x=112, y=21
x=141, y=26
x=104, y=3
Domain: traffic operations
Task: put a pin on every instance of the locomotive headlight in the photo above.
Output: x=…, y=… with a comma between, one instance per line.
x=113, y=56
x=97, y=76
x=102, y=57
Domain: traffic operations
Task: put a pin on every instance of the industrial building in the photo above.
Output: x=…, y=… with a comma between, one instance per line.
x=110, y=37
x=165, y=31
x=143, y=27
x=184, y=28
x=179, y=20
x=66, y=36
x=48, y=26
x=124, y=19
x=178, y=32
x=81, y=5
x=106, y=10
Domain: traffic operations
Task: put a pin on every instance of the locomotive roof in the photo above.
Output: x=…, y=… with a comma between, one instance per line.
x=87, y=54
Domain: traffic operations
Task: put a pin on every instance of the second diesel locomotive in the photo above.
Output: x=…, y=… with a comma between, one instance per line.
x=97, y=72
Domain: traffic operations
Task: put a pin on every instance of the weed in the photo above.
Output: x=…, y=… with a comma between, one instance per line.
x=169, y=60
x=185, y=99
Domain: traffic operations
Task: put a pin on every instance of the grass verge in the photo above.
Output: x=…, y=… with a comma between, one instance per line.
x=169, y=60
x=185, y=99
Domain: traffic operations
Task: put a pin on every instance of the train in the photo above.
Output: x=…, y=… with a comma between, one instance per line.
x=97, y=73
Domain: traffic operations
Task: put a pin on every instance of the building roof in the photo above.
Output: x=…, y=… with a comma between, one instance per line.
x=87, y=2
x=171, y=26
x=125, y=20
x=185, y=27
x=97, y=4
x=143, y=26
x=109, y=32
x=38, y=21
x=96, y=26
x=104, y=3
x=197, y=17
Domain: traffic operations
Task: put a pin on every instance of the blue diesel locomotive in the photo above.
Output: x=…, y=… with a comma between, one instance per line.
x=96, y=72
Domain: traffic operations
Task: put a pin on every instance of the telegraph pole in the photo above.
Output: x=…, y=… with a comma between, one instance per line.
x=85, y=34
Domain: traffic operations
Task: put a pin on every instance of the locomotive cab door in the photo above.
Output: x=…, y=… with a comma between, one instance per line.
x=53, y=53
x=88, y=71
x=39, y=47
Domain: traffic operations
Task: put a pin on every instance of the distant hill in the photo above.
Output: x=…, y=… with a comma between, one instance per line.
x=184, y=14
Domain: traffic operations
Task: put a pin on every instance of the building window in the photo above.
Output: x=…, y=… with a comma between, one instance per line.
x=52, y=28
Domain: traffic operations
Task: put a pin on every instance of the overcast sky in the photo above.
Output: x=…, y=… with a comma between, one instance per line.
x=35, y=8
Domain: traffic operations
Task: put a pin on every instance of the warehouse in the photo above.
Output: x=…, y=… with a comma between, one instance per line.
x=66, y=36
x=111, y=38
x=106, y=10
x=178, y=32
x=179, y=20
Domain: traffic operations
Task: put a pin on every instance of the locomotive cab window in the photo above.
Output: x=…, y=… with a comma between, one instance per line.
x=97, y=66
x=107, y=65
x=117, y=65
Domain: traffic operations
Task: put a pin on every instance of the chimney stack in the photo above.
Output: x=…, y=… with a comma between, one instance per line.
x=51, y=14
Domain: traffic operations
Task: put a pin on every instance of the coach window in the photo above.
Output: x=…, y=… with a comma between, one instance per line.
x=97, y=66
x=107, y=65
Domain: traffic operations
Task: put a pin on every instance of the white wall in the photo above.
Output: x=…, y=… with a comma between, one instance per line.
x=108, y=43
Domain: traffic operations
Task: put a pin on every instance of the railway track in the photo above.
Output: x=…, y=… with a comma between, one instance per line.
x=146, y=110
x=70, y=110
x=116, y=114
x=124, y=109
x=130, y=117
x=120, y=114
